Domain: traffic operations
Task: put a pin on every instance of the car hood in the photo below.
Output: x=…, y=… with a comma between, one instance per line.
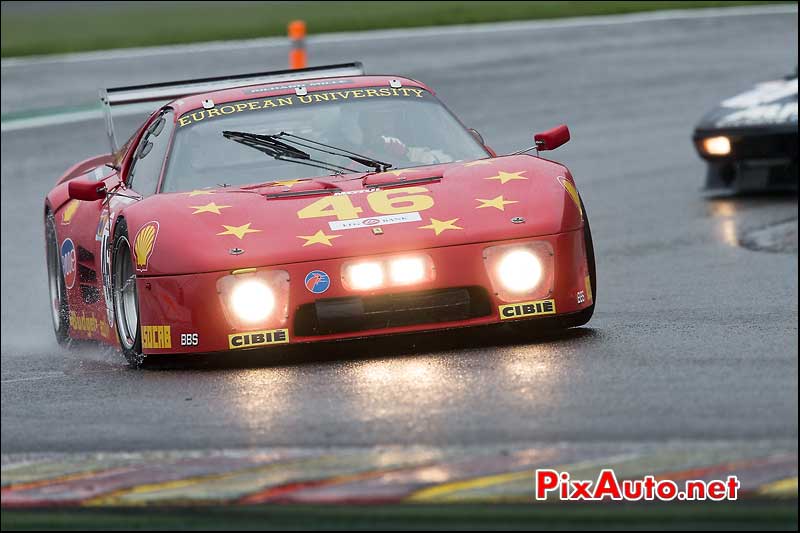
x=771, y=104
x=442, y=205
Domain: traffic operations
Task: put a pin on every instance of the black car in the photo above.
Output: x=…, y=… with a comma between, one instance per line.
x=750, y=140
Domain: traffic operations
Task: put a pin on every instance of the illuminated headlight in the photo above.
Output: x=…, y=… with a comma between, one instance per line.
x=717, y=146
x=391, y=271
x=521, y=271
x=252, y=300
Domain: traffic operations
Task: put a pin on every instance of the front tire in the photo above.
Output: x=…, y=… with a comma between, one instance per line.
x=125, y=297
x=581, y=317
x=585, y=315
x=59, y=305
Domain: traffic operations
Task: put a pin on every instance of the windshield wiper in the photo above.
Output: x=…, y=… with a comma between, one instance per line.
x=281, y=151
x=379, y=166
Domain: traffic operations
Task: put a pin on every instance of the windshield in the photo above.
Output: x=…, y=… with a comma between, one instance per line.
x=405, y=127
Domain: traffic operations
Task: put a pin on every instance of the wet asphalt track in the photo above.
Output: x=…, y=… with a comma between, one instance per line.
x=694, y=337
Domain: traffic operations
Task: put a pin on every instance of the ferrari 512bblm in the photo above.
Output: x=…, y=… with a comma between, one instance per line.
x=309, y=205
x=750, y=140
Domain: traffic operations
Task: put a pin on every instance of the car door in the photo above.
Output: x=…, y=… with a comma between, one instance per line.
x=77, y=223
x=141, y=176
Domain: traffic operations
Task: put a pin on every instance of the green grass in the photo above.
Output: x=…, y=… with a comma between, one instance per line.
x=42, y=28
x=759, y=515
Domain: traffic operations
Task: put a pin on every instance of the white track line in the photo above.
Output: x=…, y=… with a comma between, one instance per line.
x=68, y=117
x=434, y=31
x=49, y=120
x=45, y=375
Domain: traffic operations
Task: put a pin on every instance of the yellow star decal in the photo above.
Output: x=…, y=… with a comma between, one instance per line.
x=497, y=203
x=239, y=231
x=396, y=172
x=318, y=238
x=208, y=208
x=508, y=176
x=441, y=225
x=287, y=183
x=478, y=162
x=198, y=192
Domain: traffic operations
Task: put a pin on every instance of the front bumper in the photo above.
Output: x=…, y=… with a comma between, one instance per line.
x=185, y=314
x=760, y=159
x=752, y=175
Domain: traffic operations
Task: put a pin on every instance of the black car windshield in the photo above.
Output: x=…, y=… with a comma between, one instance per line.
x=406, y=127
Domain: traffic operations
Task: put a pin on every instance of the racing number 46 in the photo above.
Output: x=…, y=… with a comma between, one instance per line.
x=383, y=202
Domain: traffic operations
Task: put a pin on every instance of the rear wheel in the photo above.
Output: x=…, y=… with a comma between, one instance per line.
x=59, y=306
x=125, y=296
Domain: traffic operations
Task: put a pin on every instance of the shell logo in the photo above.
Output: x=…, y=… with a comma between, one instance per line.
x=144, y=244
x=69, y=212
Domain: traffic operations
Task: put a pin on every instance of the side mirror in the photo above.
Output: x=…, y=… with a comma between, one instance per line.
x=86, y=190
x=552, y=139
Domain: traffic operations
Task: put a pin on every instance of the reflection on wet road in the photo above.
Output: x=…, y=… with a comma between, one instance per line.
x=779, y=234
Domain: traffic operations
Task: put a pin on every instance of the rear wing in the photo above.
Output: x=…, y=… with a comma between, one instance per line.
x=135, y=95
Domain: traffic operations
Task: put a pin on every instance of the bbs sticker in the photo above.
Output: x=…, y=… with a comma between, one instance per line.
x=190, y=339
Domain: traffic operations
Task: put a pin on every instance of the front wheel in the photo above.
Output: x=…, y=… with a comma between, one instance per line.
x=59, y=306
x=125, y=297
x=584, y=316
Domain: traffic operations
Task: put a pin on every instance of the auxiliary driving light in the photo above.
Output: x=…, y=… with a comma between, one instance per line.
x=252, y=300
x=389, y=271
x=407, y=270
x=521, y=271
x=364, y=276
x=718, y=146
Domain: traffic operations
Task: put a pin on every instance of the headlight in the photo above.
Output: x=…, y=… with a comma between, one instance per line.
x=390, y=271
x=521, y=271
x=718, y=146
x=252, y=300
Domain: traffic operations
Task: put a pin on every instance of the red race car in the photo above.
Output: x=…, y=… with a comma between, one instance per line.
x=309, y=205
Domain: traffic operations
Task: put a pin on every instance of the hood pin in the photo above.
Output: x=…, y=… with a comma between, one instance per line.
x=517, y=220
x=236, y=251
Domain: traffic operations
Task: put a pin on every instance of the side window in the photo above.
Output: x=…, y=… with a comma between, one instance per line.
x=148, y=160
